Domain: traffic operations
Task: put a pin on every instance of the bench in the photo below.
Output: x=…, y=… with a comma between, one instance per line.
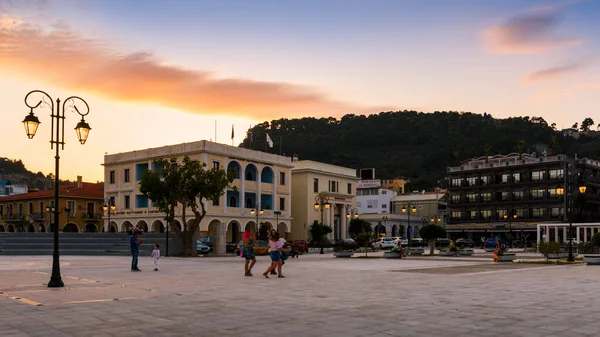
x=391, y=255
x=466, y=252
x=447, y=253
x=416, y=251
x=591, y=259
x=507, y=257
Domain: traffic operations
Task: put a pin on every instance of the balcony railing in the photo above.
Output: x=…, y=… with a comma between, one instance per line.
x=36, y=216
x=94, y=216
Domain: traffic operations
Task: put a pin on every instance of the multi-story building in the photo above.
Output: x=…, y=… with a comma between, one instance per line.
x=80, y=206
x=515, y=192
x=324, y=193
x=398, y=185
x=263, y=181
x=7, y=188
x=418, y=210
x=371, y=198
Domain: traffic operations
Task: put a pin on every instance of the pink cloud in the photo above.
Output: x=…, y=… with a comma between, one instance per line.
x=64, y=58
x=553, y=73
x=527, y=33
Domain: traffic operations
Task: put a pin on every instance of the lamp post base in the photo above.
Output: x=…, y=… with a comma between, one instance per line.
x=55, y=282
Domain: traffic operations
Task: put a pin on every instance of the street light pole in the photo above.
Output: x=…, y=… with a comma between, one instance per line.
x=108, y=207
x=413, y=209
x=569, y=196
x=321, y=202
x=31, y=123
x=256, y=212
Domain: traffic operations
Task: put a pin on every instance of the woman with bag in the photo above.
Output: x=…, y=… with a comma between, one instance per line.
x=248, y=251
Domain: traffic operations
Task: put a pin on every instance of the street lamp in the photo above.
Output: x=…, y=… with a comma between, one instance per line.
x=50, y=210
x=409, y=207
x=350, y=212
x=258, y=211
x=321, y=203
x=514, y=217
x=571, y=204
x=31, y=123
x=108, y=207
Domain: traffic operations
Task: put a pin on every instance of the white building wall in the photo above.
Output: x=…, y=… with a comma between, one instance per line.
x=374, y=204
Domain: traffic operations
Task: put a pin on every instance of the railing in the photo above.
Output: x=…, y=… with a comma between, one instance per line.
x=13, y=217
x=95, y=216
x=36, y=216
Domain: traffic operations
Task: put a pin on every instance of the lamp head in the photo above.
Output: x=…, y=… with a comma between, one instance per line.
x=261, y=212
x=514, y=216
x=560, y=190
x=414, y=209
x=31, y=123
x=83, y=130
x=582, y=189
x=253, y=211
x=327, y=205
x=403, y=209
x=317, y=205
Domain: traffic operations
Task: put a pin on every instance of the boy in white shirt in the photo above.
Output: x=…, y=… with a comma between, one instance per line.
x=155, y=256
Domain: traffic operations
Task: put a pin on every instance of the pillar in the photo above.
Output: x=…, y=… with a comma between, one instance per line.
x=556, y=234
x=218, y=235
x=538, y=234
x=577, y=231
x=564, y=235
x=547, y=233
x=585, y=234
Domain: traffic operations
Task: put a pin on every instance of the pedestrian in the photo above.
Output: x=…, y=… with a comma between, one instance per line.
x=499, y=250
x=272, y=234
x=248, y=252
x=283, y=252
x=156, y=256
x=274, y=252
x=134, y=243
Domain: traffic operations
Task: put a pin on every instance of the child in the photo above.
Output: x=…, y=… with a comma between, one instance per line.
x=156, y=256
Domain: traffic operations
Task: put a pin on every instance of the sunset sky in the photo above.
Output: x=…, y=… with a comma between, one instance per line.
x=160, y=72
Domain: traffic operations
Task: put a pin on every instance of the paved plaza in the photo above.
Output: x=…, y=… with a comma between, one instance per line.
x=321, y=296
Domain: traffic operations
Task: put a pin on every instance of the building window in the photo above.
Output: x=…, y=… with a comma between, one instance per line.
x=536, y=194
x=505, y=196
x=486, y=214
x=372, y=204
x=473, y=215
x=126, y=175
x=282, y=204
x=127, y=202
x=517, y=195
x=139, y=170
x=505, y=178
x=1, y=209
x=358, y=204
x=471, y=181
x=556, y=212
x=456, y=215
x=519, y=213
x=501, y=213
x=333, y=186
x=456, y=182
x=316, y=185
x=552, y=194
x=486, y=180
x=141, y=201
x=455, y=198
x=112, y=201
x=537, y=213
x=350, y=189
x=216, y=165
x=556, y=174
x=20, y=209
x=111, y=178
x=42, y=209
x=30, y=208
x=71, y=206
x=384, y=206
x=215, y=201
x=281, y=178
x=517, y=177
x=537, y=176
x=486, y=196
x=472, y=197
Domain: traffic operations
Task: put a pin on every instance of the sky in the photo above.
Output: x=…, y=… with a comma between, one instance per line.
x=159, y=72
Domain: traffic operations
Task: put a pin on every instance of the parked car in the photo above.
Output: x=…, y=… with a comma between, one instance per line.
x=465, y=242
x=262, y=247
x=201, y=248
x=383, y=243
x=416, y=242
x=442, y=242
x=401, y=240
x=347, y=244
x=207, y=240
x=491, y=243
x=301, y=245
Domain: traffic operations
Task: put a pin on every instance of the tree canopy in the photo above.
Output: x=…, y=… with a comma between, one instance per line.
x=414, y=145
x=358, y=226
x=431, y=232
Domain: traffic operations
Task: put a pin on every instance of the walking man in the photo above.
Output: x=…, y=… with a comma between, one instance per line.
x=135, y=242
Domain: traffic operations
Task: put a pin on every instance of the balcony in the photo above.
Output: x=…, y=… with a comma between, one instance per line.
x=36, y=216
x=94, y=216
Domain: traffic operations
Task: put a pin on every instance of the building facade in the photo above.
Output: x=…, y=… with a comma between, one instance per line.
x=6, y=188
x=315, y=183
x=371, y=198
x=79, y=204
x=515, y=192
x=263, y=181
x=418, y=210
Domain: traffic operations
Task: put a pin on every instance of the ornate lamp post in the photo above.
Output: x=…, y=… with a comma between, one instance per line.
x=108, y=207
x=408, y=207
x=57, y=138
x=322, y=203
x=258, y=211
x=571, y=194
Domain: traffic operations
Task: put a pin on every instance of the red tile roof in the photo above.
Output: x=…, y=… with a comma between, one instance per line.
x=87, y=190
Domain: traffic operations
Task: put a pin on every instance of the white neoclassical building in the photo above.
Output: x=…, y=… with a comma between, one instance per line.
x=263, y=182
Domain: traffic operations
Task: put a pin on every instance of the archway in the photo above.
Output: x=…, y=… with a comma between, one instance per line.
x=251, y=172
x=379, y=229
x=235, y=167
x=112, y=227
x=409, y=233
x=70, y=228
x=2, y=228
x=91, y=228
x=51, y=227
x=263, y=231
x=175, y=226
x=143, y=225
x=282, y=229
x=416, y=232
x=266, y=175
x=394, y=230
x=233, y=232
x=41, y=228
x=10, y=229
x=126, y=226
x=30, y=228
x=158, y=227
x=251, y=225
x=401, y=230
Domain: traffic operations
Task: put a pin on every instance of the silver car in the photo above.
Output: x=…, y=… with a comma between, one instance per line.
x=202, y=248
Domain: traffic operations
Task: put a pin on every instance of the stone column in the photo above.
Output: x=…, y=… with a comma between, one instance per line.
x=556, y=234
x=538, y=234
x=547, y=233
x=564, y=235
x=577, y=231
x=343, y=223
x=218, y=235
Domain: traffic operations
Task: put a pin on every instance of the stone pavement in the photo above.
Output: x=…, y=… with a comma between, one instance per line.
x=321, y=296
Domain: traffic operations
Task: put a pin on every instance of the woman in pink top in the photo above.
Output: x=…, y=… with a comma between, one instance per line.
x=275, y=247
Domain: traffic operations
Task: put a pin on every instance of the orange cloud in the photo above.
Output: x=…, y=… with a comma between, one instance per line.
x=552, y=73
x=527, y=33
x=72, y=62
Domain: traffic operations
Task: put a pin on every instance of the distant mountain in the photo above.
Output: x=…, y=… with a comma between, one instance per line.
x=415, y=145
x=15, y=172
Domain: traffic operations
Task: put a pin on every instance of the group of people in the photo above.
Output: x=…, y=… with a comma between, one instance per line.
x=134, y=243
x=277, y=252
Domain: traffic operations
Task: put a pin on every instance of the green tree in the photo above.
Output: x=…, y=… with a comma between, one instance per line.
x=595, y=241
x=520, y=146
x=358, y=226
x=430, y=233
x=586, y=124
x=317, y=232
x=365, y=238
x=190, y=185
x=486, y=151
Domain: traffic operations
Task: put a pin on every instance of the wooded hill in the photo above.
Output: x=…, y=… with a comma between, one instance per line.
x=15, y=172
x=415, y=145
